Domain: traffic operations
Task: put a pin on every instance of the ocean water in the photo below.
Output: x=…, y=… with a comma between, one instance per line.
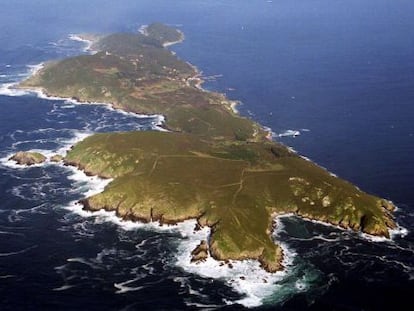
x=340, y=73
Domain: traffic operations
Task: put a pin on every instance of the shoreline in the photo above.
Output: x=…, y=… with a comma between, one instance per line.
x=244, y=276
x=143, y=30
x=88, y=39
x=40, y=91
x=182, y=38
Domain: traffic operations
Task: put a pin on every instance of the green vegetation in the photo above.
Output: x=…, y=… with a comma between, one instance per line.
x=233, y=187
x=135, y=73
x=163, y=33
x=214, y=165
x=28, y=158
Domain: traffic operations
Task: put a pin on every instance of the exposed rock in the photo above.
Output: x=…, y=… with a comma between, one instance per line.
x=326, y=201
x=56, y=158
x=200, y=253
x=28, y=158
x=272, y=263
x=388, y=205
x=197, y=227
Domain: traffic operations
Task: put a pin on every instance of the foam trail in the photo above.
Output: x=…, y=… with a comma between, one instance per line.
x=18, y=252
x=289, y=133
x=63, y=288
x=123, y=288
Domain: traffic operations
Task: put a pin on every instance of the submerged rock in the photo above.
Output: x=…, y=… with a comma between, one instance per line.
x=28, y=158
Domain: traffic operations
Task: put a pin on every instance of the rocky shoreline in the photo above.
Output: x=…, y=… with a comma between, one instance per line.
x=213, y=160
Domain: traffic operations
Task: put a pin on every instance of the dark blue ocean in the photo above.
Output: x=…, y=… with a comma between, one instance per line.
x=338, y=72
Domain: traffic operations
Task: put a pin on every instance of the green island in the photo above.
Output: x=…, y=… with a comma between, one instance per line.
x=212, y=164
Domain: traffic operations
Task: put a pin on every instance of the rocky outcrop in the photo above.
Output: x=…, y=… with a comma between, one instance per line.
x=56, y=158
x=272, y=263
x=200, y=253
x=28, y=158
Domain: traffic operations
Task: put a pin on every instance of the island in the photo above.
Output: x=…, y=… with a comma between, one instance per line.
x=28, y=158
x=210, y=163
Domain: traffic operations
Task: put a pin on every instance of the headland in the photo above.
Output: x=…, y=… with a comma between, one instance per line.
x=212, y=164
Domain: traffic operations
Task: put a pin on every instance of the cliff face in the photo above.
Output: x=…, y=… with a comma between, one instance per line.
x=214, y=165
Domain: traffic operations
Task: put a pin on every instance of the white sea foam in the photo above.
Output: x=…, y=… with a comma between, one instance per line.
x=399, y=231
x=63, y=288
x=234, y=105
x=246, y=276
x=33, y=69
x=8, y=89
x=289, y=133
x=18, y=252
x=88, y=43
x=90, y=185
x=373, y=238
x=66, y=144
x=306, y=158
x=142, y=29
x=124, y=287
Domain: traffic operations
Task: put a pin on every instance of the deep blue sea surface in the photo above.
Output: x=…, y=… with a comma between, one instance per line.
x=339, y=72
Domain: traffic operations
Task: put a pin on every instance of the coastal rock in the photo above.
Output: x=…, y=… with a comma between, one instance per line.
x=272, y=262
x=388, y=205
x=200, y=253
x=28, y=158
x=56, y=158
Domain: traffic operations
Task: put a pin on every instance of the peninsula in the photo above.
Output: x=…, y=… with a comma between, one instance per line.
x=211, y=164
